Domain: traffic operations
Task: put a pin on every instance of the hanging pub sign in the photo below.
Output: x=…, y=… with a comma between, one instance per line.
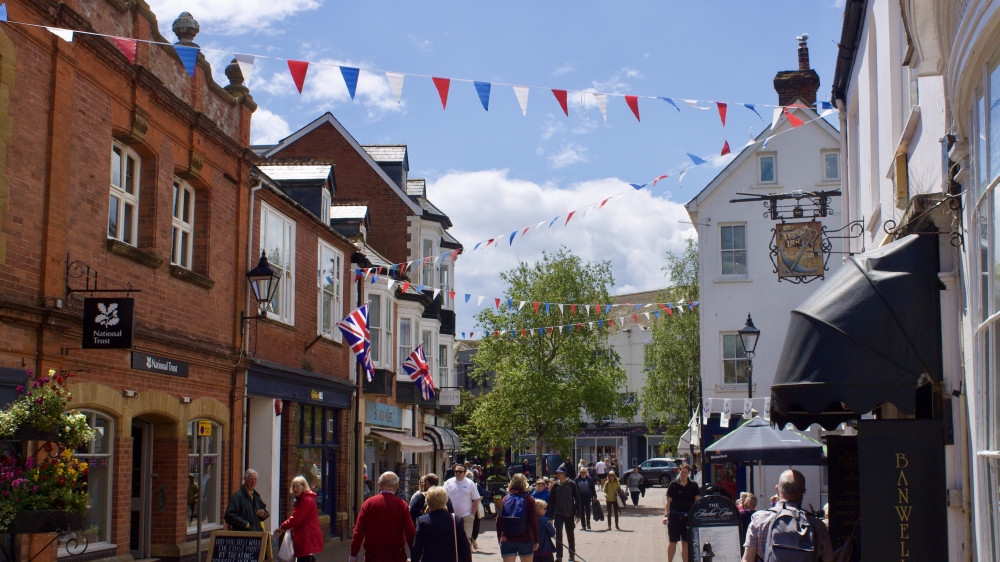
x=799, y=246
x=108, y=323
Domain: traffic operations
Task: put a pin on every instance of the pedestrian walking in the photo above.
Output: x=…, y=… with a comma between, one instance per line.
x=463, y=494
x=246, y=509
x=384, y=525
x=791, y=487
x=517, y=522
x=681, y=495
x=566, y=507
x=440, y=536
x=602, y=471
x=634, y=483
x=417, y=500
x=611, y=487
x=546, y=532
x=303, y=525
x=588, y=490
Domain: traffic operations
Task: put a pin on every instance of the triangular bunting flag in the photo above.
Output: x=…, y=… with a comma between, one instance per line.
x=512, y=235
x=522, y=98
x=795, y=121
x=671, y=102
x=774, y=119
x=480, y=301
x=483, y=88
x=633, y=104
x=451, y=295
x=3, y=12
x=561, y=98
x=404, y=287
x=395, y=83
x=350, y=79
x=572, y=307
x=588, y=309
x=658, y=179
x=547, y=305
x=636, y=186
x=246, y=65
x=697, y=161
x=602, y=104
x=725, y=148
x=436, y=291
x=188, y=56
x=694, y=104
x=497, y=303
x=126, y=45
x=442, y=85
x=467, y=297
x=520, y=306
x=569, y=216
x=722, y=112
x=752, y=108
x=298, y=70
x=389, y=283
x=680, y=177
x=64, y=34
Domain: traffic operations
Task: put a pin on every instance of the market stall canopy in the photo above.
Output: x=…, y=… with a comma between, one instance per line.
x=407, y=442
x=757, y=442
x=871, y=334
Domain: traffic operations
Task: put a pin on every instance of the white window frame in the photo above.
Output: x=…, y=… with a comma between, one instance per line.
x=126, y=233
x=823, y=157
x=285, y=297
x=325, y=202
x=376, y=323
x=774, y=168
x=443, y=362
x=108, y=458
x=334, y=294
x=182, y=229
x=212, y=520
x=427, y=276
x=723, y=251
x=739, y=361
x=444, y=275
x=430, y=350
x=405, y=347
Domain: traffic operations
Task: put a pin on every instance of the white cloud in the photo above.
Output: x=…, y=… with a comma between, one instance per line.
x=324, y=86
x=564, y=69
x=230, y=16
x=634, y=232
x=569, y=154
x=267, y=127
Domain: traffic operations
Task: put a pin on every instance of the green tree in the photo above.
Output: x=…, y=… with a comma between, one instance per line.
x=673, y=356
x=474, y=442
x=546, y=382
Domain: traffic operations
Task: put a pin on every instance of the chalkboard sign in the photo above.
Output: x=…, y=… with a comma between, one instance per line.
x=714, y=522
x=240, y=546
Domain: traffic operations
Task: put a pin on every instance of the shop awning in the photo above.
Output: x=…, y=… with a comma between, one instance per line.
x=871, y=334
x=444, y=438
x=407, y=442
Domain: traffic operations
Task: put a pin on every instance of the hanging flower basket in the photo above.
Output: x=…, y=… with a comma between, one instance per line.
x=49, y=521
x=28, y=433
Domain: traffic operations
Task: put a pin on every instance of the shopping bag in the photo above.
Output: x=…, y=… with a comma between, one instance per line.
x=622, y=498
x=598, y=512
x=287, y=551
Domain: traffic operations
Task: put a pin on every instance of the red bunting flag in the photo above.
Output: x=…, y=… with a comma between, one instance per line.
x=488, y=242
x=573, y=308
x=298, y=70
x=635, y=318
x=633, y=104
x=127, y=46
x=611, y=322
x=454, y=255
x=442, y=86
x=722, y=112
x=569, y=216
x=795, y=121
x=725, y=148
x=524, y=332
x=597, y=309
x=525, y=231
x=561, y=96
x=550, y=330
x=451, y=294
x=535, y=304
x=601, y=206
x=658, y=179
x=498, y=303
x=406, y=285
x=496, y=334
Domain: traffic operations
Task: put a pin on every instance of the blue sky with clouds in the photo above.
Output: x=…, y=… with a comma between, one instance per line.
x=496, y=171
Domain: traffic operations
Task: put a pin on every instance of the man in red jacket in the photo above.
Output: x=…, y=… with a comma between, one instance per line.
x=383, y=525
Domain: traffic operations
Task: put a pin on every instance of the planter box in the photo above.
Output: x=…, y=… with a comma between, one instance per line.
x=48, y=521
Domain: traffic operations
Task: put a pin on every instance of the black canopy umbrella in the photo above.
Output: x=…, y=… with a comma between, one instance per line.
x=757, y=442
x=869, y=335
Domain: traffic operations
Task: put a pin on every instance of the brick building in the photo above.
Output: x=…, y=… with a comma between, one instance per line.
x=117, y=176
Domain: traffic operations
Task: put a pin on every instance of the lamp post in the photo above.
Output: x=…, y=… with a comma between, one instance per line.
x=263, y=281
x=748, y=337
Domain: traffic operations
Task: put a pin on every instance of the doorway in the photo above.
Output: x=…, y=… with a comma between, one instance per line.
x=139, y=522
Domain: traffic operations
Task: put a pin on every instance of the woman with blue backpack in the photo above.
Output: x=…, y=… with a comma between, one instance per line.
x=517, y=522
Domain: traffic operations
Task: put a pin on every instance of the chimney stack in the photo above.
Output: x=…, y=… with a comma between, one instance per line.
x=798, y=84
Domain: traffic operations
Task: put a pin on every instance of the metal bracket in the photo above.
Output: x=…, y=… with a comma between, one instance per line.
x=75, y=269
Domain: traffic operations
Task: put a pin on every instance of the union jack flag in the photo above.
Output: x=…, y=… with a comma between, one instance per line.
x=355, y=329
x=420, y=372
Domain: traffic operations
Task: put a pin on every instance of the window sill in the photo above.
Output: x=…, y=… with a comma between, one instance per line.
x=733, y=279
x=92, y=548
x=274, y=320
x=184, y=274
x=192, y=531
x=330, y=340
x=732, y=388
x=131, y=252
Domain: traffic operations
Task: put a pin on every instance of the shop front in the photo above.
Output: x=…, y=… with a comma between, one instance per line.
x=391, y=446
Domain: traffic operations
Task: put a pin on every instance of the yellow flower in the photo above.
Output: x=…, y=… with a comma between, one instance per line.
x=52, y=372
x=71, y=472
x=67, y=454
x=59, y=472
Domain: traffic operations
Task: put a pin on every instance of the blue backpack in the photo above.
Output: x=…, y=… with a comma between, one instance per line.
x=514, y=515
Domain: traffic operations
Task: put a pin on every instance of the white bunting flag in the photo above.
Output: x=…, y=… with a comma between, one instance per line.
x=591, y=324
x=390, y=284
x=680, y=177
x=774, y=119
x=694, y=104
x=727, y=410
x=621, y=320
x=588, y=309
x=647, y=315
x=395, y=84
x=480, y=302
x=707, y=410
x=602, y=103
x=747, y=408
x=436, y=291
x=522, y=99
x=560, y=309
x=64, y=34
x=767, y=409
x=246, y=65
x=520, y=306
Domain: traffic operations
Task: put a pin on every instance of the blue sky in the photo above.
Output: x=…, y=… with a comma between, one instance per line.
x=498, y=171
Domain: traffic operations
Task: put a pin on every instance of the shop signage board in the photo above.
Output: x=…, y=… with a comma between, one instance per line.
x=162, y=365
x=714, y=524
x=240, y=546
x=383, y=415
x=108, y=323
x=800, y=249
x=449, y=397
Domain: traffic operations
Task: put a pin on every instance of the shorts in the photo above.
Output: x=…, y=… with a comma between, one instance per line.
x=547, y=557
x=508, y=548
x=677, y=527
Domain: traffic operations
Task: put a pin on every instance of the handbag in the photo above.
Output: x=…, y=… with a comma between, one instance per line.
x=287, y=551
x=598, y=512
x=454, y=533
x=480, y=510
x=622, y=498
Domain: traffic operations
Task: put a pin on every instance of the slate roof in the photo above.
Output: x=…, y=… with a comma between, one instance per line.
x=416, y=188
x=348, y=211
x=386, y=152
x=297, y=172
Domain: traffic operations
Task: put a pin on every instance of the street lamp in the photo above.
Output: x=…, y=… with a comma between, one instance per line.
x=264, y=285
x=748, y=336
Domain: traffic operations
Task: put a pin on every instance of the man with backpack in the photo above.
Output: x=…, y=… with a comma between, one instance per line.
x=566, y=508
x=786, y=533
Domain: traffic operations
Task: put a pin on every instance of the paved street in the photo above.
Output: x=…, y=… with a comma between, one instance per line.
x=642, y=538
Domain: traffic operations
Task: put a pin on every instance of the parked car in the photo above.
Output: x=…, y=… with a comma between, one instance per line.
x=660, y=471
x=550, y=462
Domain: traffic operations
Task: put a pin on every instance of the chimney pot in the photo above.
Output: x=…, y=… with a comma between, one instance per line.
x=803, y=51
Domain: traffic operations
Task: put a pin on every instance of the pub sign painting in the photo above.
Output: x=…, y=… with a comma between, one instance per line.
x=800, y=249
x=108, y=323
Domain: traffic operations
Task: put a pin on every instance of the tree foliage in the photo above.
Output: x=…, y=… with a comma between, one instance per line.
x=673, y=356
x=545, y=383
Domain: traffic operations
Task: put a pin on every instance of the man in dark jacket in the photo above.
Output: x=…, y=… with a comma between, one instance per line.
x=587, y=487
x=566, y=507
x=246, y=510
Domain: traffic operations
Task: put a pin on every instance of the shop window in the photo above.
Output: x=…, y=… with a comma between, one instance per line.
x=123, y=209
x=316, y=452
x=98, y=454
x=204, y=480
x=734, y=360
x=277, y=238
x=182, y=231
x=331, y=291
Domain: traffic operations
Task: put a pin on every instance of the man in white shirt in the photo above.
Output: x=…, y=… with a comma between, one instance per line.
x=602, y=471
x=463, y=495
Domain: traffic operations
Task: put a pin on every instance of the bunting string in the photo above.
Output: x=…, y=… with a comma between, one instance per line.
x=483, y=90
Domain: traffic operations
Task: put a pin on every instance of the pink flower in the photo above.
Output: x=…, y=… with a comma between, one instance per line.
x=20, y=389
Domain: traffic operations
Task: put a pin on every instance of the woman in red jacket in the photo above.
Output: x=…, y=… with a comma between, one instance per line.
x=304, y=522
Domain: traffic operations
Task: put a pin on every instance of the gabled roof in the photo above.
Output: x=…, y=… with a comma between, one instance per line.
x=747, y=151
x=328, y=118
x=449, y=241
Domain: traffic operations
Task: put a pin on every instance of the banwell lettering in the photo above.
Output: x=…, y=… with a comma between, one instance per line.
x=903, y=509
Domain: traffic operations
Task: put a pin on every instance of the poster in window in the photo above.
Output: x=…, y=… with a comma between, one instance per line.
x=800, y=249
